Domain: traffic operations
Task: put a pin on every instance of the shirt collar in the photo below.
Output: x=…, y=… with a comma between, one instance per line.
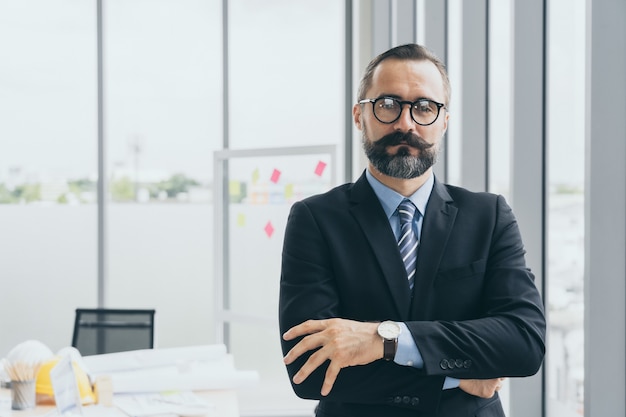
x=390, y=199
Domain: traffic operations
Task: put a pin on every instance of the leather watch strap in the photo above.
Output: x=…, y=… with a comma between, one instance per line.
x=390, y=346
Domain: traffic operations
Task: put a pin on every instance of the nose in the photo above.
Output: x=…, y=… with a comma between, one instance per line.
x=405, y=122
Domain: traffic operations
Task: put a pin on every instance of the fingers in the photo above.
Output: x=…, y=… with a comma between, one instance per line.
x=341, y=342
x=302, y=329
x=483, y=388
x=314, y=361
x=309, y=342
x=329, y=380
x=499, y=384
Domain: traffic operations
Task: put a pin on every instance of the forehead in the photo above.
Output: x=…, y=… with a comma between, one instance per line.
x=407, y=79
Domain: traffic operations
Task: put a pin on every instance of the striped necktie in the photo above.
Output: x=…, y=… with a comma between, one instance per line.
x=407, y=242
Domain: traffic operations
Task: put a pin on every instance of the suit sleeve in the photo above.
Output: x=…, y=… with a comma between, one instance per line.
x=505, y=338
x=308, y=290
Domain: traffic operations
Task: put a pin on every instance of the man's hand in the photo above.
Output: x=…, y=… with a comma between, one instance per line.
x=484, y=388
x=344, y=342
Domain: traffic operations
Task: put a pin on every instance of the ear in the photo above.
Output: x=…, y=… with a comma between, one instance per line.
x=356, y=116
x=445, y=123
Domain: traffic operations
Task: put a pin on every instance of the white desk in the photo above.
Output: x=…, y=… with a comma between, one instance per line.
x=224, y=402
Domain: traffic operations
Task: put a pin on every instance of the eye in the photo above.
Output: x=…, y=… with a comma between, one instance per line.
x=424, y=106
x=387, y=103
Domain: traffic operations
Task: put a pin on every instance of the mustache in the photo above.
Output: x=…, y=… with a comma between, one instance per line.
x=398, y=138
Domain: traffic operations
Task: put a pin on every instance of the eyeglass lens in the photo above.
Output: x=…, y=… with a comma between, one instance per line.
x=388, y=110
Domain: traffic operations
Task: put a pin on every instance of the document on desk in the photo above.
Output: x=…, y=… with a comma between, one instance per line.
x=152, y=358
x=174, y=404
x=173, y=369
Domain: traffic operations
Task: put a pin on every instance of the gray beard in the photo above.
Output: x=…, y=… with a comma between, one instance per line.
x=402, y=165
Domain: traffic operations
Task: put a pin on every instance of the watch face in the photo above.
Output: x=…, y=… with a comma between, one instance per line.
x=389, y=330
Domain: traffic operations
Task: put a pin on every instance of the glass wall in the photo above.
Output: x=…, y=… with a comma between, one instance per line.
x=453, y=64
x=499, y=103
x=286, y=73
x=163, y=120
x=48, y=168
x=500, y=96
x=566, y=173
x=261, y=189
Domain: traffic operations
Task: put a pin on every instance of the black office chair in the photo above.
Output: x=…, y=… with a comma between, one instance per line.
x=102, y=330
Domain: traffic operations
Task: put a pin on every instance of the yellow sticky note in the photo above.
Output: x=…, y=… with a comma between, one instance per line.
x=234, y=187
x=288, y=190
x=255, y=176
x=241, y=219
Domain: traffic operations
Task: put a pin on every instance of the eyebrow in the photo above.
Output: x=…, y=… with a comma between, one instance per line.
x=397, y=97
x=390, y=96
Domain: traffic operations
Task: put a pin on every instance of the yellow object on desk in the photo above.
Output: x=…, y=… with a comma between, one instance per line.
x=45, y=392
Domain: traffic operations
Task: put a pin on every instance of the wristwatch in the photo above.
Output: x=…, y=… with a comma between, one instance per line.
x=389, y=331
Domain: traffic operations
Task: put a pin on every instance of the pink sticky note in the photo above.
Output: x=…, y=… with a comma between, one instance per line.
x=319, y=169
x=269, y=229
x=275, y=176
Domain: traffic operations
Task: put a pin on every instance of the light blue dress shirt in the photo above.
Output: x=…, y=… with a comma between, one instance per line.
x=408, y=353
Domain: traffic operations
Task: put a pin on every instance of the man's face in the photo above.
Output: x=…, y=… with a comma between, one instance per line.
x=402, y=149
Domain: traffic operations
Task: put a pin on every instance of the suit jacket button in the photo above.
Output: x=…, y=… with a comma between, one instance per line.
x=444, y=364
x=397, y=400
x=406, y=400
x=415, y=401
x=467, y=363
x=458, y=363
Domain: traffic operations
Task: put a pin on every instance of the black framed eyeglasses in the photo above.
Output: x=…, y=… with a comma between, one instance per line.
x=387, y=110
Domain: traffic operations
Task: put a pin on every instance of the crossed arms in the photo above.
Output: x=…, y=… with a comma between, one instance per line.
x=329, y=313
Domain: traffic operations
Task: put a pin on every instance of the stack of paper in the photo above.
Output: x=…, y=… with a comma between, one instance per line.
x=192, y=368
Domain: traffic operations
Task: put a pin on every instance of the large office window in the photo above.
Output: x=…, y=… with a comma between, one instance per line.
x=163, y=120
x=499, y=100
x=48, y=168
x=286, y=77
x=286, y=85
x=500, y=97
x=566, y=173
x=454, y=65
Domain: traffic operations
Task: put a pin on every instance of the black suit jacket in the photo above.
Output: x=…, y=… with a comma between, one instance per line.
x=474, y=312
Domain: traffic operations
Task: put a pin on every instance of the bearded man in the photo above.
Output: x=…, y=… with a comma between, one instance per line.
x=401, y=295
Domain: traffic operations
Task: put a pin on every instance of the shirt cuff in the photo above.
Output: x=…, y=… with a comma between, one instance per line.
x=450, y=383
x=407, y=354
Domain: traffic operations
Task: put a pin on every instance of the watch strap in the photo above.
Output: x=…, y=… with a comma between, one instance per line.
x=390, y=346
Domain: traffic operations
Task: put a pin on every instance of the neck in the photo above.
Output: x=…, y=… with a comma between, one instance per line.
x=405, y=187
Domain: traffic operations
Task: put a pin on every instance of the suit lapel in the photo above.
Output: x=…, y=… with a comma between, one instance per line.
x=371, y=217
x=436, y=227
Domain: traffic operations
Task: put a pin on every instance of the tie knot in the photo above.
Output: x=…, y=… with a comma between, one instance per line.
x=406, y=210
